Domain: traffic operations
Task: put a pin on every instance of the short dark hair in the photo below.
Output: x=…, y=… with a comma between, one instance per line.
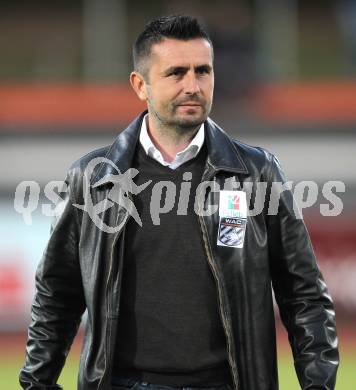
x=173, y=26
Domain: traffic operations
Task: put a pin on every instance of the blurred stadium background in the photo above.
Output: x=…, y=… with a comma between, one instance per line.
x=285, y=80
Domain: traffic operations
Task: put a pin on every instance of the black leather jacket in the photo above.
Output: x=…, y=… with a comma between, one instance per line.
x=81, y=269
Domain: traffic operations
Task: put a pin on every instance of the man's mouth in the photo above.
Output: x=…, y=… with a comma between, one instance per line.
x=190, y=104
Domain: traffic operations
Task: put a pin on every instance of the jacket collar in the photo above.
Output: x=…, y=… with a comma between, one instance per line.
x=222, y=153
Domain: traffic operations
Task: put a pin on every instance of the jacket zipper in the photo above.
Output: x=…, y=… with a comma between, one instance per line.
x=225, y=322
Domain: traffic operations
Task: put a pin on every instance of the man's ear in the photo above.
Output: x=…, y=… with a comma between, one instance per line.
x=139, y=85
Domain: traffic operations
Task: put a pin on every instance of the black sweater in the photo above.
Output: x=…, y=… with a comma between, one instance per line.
x=169, y=330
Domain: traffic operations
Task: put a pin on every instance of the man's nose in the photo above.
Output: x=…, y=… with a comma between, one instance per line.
x=191, y=84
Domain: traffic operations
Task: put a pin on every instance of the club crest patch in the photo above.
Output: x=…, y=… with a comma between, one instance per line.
x=232, y=219
x=231, y=232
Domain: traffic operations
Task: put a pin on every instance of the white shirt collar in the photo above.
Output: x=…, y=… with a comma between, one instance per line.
x=181, y=157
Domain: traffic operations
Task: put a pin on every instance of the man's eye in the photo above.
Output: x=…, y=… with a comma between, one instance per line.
x=202, y=71
x=177, y=73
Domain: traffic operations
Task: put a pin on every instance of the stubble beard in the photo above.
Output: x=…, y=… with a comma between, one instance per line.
x=179, y=124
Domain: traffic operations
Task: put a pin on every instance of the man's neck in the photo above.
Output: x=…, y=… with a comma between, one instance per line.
x=169, y=141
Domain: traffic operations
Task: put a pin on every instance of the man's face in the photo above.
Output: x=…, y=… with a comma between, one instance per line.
x=180, y=81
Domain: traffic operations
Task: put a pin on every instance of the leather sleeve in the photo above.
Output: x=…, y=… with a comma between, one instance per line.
x=305, y=305
x=58, y=303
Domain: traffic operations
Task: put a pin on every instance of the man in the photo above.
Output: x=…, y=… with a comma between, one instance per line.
x=155, y=240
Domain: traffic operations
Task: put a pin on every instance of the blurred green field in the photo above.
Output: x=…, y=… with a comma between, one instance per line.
x=11, y=363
